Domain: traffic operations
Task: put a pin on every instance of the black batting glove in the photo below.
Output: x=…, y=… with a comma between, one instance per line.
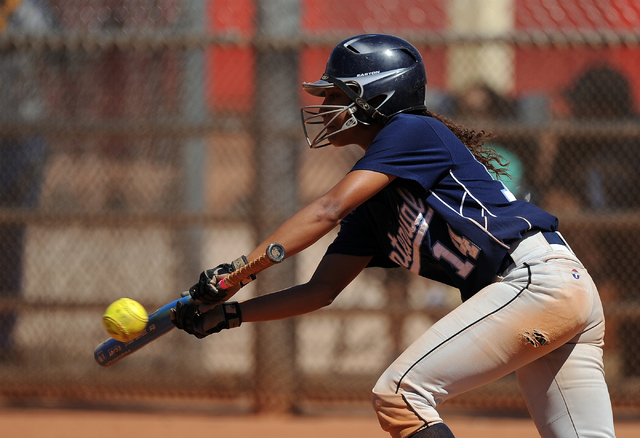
x=187, y=317
x=206, y=289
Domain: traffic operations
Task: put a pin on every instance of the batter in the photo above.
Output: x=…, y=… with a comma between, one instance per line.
x=422, y=198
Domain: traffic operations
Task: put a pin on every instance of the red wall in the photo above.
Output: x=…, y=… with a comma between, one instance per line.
x=552, y=69
x=544, y=69
x=230, y=70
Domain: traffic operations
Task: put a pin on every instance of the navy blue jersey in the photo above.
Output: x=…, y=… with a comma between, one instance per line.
x=444, y=217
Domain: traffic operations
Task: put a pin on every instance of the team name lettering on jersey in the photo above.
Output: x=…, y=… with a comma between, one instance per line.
x=413, y=222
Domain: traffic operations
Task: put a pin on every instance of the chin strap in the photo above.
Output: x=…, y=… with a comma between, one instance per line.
x=372, y=113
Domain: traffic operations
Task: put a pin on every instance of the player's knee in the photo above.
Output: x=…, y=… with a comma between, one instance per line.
x=395, y=416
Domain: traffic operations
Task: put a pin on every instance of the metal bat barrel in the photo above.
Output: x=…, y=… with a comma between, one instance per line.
x=112, y=351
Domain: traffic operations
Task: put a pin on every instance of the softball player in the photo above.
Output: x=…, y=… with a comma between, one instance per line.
x=421, y=197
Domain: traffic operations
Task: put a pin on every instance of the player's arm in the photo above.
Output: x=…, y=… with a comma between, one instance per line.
x=315, y=220
x=305, y=227
x=333, y=274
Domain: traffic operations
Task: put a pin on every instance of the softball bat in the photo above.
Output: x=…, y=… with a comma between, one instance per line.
x=112, y=351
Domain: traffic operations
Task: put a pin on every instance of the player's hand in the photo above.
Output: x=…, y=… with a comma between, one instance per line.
x=188, y=317
x=206, y=290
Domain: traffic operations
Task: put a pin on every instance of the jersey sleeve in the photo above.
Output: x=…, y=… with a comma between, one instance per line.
x=412, y=148
x=356, y=237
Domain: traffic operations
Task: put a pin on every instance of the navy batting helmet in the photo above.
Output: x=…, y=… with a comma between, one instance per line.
x=382, y=74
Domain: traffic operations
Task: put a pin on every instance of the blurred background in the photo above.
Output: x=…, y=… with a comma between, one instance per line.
x=142, y=141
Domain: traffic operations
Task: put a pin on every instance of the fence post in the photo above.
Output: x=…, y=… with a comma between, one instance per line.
x=193, y=110
x=275, y=121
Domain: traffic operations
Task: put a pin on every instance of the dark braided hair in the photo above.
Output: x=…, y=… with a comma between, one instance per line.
x=475, y=142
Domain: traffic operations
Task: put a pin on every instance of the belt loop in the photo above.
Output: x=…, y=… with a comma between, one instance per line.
x=531, y=245
x=565, y=242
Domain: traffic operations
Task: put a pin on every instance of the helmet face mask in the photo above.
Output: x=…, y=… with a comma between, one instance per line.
x=387, y=73
x=314, y=126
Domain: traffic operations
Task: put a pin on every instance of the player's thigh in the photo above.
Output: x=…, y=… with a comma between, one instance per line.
x=500, y=329
x=465, y=349
x=566, y=393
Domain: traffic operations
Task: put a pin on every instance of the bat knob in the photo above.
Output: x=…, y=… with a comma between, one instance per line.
x=276, y=252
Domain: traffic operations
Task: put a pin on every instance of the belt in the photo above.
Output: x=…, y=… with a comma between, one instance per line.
x=552, y=238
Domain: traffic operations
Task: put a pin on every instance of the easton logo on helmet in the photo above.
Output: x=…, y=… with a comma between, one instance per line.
x=368, y=74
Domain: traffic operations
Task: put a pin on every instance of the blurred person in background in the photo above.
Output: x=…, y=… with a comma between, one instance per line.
x=479, y=103
x=22, y=156
x=608, y=179
x=421, y=197
x=599, y=173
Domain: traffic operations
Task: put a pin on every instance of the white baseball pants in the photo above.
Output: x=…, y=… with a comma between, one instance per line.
x=543, y=319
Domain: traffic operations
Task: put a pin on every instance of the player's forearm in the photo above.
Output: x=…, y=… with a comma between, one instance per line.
x=299, y=232
x=287, y=303
x=314, y=221
x=334, y=273
x=302, y=230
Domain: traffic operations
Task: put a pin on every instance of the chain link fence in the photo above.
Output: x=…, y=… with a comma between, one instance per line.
x=143, y=141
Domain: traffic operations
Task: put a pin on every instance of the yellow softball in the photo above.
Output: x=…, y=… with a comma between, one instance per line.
x=125, y=319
